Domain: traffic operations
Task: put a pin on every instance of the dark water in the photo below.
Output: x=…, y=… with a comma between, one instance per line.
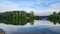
x=39, y=27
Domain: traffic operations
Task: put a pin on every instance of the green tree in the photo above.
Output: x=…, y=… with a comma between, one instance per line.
x=31, y=15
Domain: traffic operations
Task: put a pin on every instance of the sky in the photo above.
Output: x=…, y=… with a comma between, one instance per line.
x=40, y=7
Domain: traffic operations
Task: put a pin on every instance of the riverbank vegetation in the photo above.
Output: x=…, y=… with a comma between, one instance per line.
x=16, y=17
x=55, y=17
x=22, y=17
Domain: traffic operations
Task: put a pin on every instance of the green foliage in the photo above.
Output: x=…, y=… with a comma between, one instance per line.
x=31, y=15
x=55, y=17
x=16, y=17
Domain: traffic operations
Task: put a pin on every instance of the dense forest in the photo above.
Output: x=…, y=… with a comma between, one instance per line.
x=55, y=17
x=16, y=17
x=22, y=17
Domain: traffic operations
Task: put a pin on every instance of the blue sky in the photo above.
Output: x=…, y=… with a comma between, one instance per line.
x=40, y=7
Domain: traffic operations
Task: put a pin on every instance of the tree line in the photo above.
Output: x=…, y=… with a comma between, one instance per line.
x=16, y=17
x=55, y=17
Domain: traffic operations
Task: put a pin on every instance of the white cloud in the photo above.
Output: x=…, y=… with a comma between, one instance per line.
x=45, y=12
x=6, y=6
x=36, y=6
x=55, y=6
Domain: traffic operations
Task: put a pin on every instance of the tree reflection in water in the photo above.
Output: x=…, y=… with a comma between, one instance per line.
x=55, y=21
x=17, y=17
x=21, y=22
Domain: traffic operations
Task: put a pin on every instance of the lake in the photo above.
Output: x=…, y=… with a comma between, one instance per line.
x=39, y=27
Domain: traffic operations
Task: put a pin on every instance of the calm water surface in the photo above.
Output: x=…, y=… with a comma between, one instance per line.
x=39, y=27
